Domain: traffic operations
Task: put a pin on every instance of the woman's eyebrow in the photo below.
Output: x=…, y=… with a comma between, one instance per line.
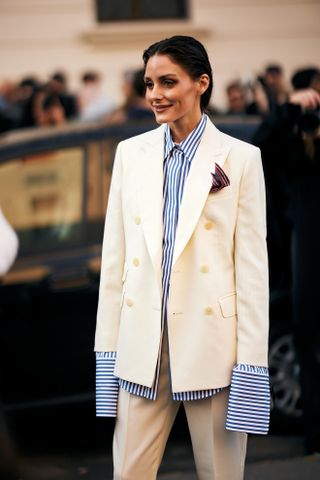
x=162, y=77
x=167, y=75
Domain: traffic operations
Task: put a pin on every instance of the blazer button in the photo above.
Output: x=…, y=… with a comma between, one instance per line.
x=204, y=269
x=208, y=311
x=137, y=220
x=208, y=225
x=129, y=302
x=136, y=262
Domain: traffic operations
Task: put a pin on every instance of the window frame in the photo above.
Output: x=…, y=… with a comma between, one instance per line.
x=182, y=6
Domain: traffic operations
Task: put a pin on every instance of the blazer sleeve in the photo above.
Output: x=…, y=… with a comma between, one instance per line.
x=251, y=265
x=112, y=263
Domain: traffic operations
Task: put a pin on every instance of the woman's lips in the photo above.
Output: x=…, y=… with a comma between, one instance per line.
x=161, y=108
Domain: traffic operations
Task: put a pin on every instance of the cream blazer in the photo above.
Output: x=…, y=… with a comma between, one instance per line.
x=218, y=302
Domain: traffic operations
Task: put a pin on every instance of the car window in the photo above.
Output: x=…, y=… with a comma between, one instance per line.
x=42, y=197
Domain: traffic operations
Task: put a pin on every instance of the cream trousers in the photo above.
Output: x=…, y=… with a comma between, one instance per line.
x=143, y=426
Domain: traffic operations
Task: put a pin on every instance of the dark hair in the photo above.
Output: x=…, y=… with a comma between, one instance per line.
x=234, y=85
x=59, y=77
x=303, y=78
x=138, y=84
x=28, y=82
x=274, y=69
x=190, y=54
x=90, y=76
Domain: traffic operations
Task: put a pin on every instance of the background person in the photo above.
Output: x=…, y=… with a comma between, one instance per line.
x=93, y=105
x=290, y=142
x=135, y=107
x=237, y=102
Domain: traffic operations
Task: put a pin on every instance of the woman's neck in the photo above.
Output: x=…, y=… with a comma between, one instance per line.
x=181, y=129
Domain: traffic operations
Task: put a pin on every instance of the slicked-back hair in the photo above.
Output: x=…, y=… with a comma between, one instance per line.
x=188, y=53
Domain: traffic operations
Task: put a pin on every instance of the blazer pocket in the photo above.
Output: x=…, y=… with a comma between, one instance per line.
x=228, y=305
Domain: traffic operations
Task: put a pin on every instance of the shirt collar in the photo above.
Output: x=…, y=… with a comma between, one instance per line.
x=189, y=145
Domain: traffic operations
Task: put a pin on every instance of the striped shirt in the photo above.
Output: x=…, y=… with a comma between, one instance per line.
x=249, y=391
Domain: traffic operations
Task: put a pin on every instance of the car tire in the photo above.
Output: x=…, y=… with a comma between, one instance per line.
x=284, y=378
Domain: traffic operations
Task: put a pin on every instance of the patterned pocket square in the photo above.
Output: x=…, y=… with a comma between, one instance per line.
x=219, y=180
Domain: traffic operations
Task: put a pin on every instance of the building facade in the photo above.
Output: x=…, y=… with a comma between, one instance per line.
x=242, y=36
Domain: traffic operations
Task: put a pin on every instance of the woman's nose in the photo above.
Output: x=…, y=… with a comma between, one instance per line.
x=156, y=93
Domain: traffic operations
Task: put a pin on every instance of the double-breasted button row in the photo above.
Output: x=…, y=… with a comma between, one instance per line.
x=204, y=269
x=136, y=262
x=208, y=311
x=129, y=302
x=137, y=220
x=208, y=225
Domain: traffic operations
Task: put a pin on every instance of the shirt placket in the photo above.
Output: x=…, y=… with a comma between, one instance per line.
x=173, y=189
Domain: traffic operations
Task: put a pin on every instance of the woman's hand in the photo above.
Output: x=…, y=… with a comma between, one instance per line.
x=307, y=98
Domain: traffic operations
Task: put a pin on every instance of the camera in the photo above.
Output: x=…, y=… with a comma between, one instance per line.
x=310, y=122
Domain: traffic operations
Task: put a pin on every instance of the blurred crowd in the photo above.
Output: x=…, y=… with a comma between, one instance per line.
x=32, y=102
x=289, y=139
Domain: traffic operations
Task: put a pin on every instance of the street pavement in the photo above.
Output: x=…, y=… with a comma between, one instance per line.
x=273, y=457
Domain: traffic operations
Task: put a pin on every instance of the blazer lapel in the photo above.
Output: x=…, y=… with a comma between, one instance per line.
x=150, y=194
x=198, y=183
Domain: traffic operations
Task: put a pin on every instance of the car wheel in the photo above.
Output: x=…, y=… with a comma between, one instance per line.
x=284, y=378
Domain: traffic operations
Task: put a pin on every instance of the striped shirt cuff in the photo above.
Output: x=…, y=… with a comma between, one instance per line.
x=249, y=400
x=107, y=385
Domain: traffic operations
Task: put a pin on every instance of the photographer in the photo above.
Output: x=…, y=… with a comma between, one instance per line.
x=290, y=142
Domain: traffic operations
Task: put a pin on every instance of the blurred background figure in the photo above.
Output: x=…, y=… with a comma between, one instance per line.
x=57, y=86
x=236, y=98
x=15, y=104
x=275, y=86
x=43, y=108
x=8, y=251
x=238, y=101
x=9, y=113
x=93, y=104
x=268, y=90
x=135, y=107
x=290, y=142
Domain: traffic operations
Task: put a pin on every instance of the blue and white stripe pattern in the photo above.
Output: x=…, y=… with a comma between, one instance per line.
x=107, y=385
x=249, y=400
x=177, y=162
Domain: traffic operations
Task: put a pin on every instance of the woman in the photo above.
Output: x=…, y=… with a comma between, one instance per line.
x=183, y=301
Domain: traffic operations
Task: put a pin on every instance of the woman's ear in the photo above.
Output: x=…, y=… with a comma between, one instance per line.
x=204, y=82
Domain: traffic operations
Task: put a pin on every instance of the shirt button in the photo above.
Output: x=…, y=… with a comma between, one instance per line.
x=136, y=262
x=208, y=225
x=129, y=302
x=137, y=220
x=208, y=311
x=204, y=269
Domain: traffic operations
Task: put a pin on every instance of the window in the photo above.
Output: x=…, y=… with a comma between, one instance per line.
x=124, y=10
x=42, y=197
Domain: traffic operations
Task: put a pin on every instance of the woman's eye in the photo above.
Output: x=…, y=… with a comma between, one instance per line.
x=148, y=85
x=168, y=83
